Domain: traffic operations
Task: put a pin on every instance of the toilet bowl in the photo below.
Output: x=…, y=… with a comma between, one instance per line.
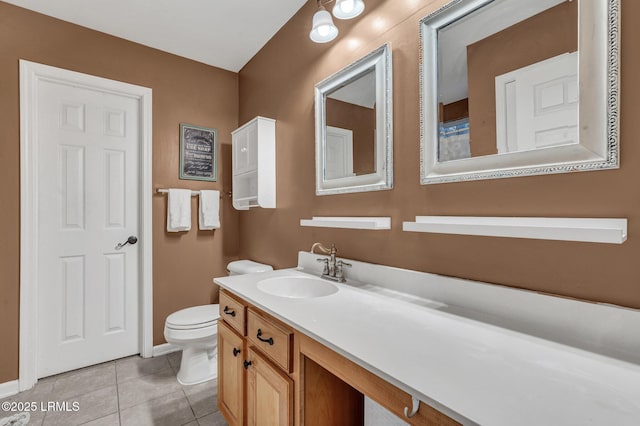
x=195, y=330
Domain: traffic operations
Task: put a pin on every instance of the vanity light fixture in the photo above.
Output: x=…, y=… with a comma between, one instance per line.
x=347, y=9
x=323, y=30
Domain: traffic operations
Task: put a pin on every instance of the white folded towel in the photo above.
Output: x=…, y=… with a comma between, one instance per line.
x=209, y=216
x=179, y=210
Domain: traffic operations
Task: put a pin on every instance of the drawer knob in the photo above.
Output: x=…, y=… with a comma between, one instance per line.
x=229, y=311
x=262, y=339
x=247, y=364
x=236, y=351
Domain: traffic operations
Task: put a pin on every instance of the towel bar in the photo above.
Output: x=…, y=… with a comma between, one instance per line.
x=193, y=193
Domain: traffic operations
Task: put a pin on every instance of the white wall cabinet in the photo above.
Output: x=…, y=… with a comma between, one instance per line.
x=254, y=164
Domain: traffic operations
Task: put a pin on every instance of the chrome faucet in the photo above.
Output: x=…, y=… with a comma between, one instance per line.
x=332, y=268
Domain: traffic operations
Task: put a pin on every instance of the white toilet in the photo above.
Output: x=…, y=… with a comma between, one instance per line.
x=195, y=330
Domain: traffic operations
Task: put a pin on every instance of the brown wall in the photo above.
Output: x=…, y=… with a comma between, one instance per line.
x=543, y=36
x=183, y=91
x=278, y=83
x=361, y=121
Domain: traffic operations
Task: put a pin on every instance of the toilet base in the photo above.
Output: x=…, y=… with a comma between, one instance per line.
x=198, y=365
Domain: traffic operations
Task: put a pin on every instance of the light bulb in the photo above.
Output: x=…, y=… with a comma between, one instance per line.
x=324, y=30
x=347, y=9
x=347, y=6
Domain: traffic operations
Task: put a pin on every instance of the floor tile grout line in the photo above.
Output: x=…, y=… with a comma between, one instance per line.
x=70, y=397
x=147, y=375
x=51, y=393
x=106, y=415
x=72, y=373
x=190, y=406
x=118, y=398
x=150, y=374
x=67, y=398
x=152, y=399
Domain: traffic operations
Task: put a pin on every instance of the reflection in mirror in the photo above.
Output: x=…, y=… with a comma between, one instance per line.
x=534, y=86
x=505, y=90
x=354, y=138
x=350, y=132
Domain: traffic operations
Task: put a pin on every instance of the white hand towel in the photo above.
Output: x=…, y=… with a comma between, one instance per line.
x=209, y=216
x=179, y=210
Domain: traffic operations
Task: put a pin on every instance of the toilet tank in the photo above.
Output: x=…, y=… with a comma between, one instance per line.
x=240, y=267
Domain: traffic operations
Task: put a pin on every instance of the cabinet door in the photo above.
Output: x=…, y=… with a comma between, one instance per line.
x=245, y=149
x=231, y=354
x=269, y=394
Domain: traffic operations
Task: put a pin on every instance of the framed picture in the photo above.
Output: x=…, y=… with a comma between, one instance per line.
x=198, y=153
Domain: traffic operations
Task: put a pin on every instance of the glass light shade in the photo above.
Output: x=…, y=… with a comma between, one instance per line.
x=323, y=29
x=347, y=9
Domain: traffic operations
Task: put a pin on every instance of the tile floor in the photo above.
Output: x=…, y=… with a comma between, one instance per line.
x=129, y=392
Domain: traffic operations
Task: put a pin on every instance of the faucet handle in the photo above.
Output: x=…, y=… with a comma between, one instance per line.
x=339, y=265
x=325, y=269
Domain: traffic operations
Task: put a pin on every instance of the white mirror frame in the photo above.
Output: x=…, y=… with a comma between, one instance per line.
x=380, y=61
x=598, y=71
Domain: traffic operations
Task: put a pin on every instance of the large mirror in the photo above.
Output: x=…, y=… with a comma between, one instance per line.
x=518, y=87
x=354, y=134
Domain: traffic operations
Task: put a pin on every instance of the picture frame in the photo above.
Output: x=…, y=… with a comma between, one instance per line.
x=198, y=153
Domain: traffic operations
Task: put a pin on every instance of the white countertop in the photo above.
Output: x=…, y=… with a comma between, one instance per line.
x=475, y=372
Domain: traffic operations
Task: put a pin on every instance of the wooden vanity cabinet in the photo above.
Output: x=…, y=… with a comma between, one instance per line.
x=269, y=393
x=254, y=363
x=233, y=312
x=272, y=339
x=324, y=393
x=270, y=375
x=231, y=356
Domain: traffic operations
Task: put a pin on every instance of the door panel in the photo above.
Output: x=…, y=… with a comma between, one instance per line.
x=537, y=106
x=115, y=181
x=115, y=294
x=269, y=394
x=231, y=353
x=73, y=292
x=339, y=153
x=88, y=291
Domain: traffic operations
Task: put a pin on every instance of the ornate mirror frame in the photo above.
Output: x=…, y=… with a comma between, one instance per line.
x=380, y=61
x=598, y=73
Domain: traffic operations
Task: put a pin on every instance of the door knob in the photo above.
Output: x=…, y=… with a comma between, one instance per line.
x=131, y=240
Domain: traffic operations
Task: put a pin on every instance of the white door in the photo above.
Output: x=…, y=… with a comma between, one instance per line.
x=339, y=153
x=537, y=106
x=88, y=290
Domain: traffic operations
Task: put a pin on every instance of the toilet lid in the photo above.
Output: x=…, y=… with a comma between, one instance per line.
x=195, y=317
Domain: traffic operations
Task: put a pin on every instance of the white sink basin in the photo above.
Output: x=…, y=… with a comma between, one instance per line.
x=297, y=287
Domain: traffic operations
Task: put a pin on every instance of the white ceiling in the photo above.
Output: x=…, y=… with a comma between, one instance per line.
x=222, y=33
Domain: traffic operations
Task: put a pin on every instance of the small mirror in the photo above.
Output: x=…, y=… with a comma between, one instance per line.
x=354, y=136
x=518, y=87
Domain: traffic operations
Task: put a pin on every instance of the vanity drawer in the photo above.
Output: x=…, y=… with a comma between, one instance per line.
x=233, y=312
x=270, y=338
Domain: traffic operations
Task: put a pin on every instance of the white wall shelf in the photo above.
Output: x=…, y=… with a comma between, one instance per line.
x=351, y=222
x=613, y=231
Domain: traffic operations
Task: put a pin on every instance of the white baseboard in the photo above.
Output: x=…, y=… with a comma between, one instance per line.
x=165, y=348
x=9, y=388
